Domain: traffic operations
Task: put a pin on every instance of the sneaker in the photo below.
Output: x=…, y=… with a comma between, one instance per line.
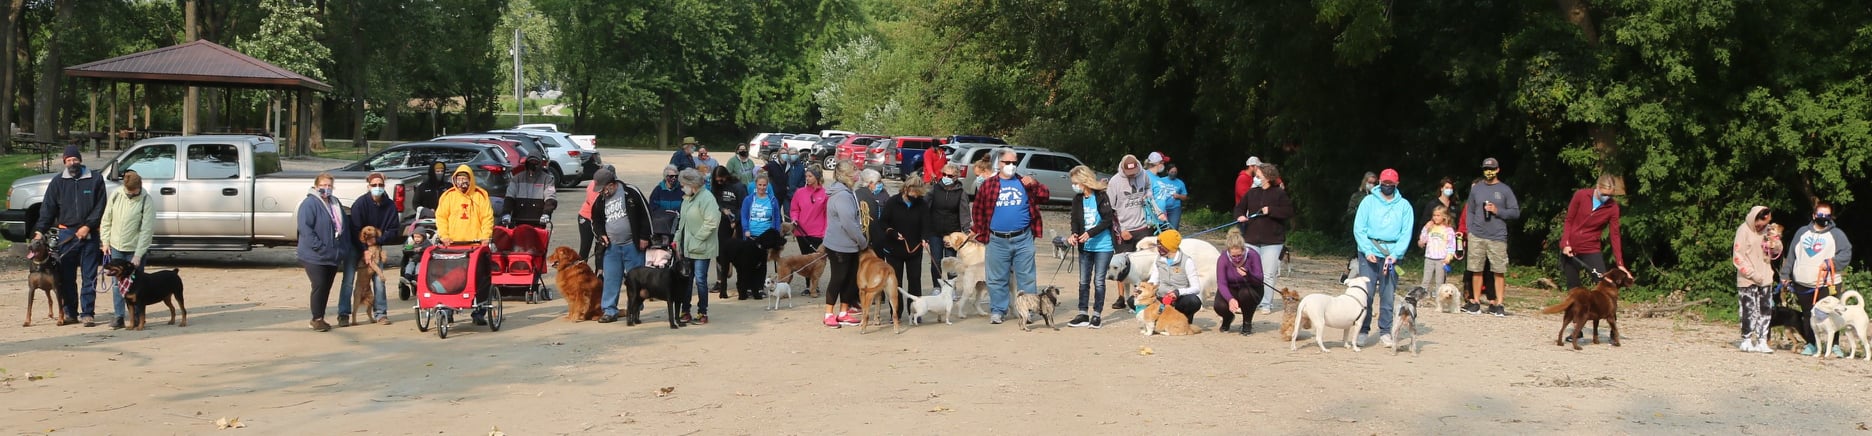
x=88, y=321
x=1097, y=321
x=1497, y=310
x=607, y=319
x=1838, y=352
x=383, y=320
x=117, y=324
x=1079, y=321
x=319, y=325
x=994, y=319
x=1386, y=341
x=831, y=321
x=684, y=320
x=1810, y=350
x=1472, y=308
x=345, y=321
x=848, y=318
x=1761, y=345
x=1264, y=310
x=702, y=320
x=1747, y=345
x=1120, y=304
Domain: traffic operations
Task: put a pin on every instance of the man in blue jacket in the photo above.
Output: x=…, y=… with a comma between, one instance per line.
x=377, y=209
x=1382, y=229
x=74, y=205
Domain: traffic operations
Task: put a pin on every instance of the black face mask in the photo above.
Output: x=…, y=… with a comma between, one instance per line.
x=742, y=153
x=1387, y=190
x=1823, y=222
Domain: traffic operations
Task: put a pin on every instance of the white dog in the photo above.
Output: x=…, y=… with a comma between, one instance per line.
x=1129, y=269
x=939, y=301
x=1446, y=297
x=967, y=267
x=779, y=291
x=1342, y=311
x=1831, y=315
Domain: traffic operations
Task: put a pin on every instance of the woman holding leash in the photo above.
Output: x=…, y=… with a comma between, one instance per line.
x=1092, y=221
x=949, y=207
x=1238, y=277
x=898, y=235
x=808, y=211
x=1593, y=211
x=761, y=215
x=1176, y=279
x=696, y=238
x=843, y=240
x=1812, y=268
x=1263, y=213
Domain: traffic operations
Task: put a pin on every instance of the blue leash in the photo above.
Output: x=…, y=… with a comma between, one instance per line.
x=1212, y=229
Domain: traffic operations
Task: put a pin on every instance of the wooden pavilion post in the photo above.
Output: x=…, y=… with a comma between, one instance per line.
x=91, y=123
x=112, y=130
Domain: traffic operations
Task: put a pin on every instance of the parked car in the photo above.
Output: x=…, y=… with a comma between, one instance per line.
x=759, y=138
x=536, y=144
x=968, y=153
x=825, y=133
x=488, y=162
x=211, y=192
x=971, y=139
x=770, y=144
x=800, y=142
x=900, y=156
x=852, y=148
x=1050, y=168
x=569, y=161
x=827, y=146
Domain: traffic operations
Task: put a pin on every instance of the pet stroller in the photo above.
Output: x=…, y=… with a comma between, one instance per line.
x=420, y=235
x=449, y=276
x=520, y=262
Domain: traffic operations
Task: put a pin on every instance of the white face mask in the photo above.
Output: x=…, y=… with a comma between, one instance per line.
x=1259, y=182
x=1078, y=190
x=1007, y=170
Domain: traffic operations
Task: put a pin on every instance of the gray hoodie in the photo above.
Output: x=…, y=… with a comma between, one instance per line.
x=1810, y=250
x=1129, y=196
x=843, y=233
x=1506, y=208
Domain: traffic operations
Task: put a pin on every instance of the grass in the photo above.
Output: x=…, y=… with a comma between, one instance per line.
x=12, y=167
x=341, y=149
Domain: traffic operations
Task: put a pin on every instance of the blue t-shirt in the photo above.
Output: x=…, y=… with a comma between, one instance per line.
x=760, y=215
x=1101, y=242
x=1010, y=209
x=1174, y=186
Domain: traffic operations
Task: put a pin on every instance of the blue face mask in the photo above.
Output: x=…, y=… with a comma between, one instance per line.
x=946, y=180
x=1170, y=260
x=377, y=191
x=1447, y=192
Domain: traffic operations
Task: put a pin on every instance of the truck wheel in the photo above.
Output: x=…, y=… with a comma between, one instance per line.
x=561, y=180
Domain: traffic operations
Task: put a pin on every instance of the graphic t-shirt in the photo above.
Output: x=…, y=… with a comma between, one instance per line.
x=1101, y=242
x=1010, y=213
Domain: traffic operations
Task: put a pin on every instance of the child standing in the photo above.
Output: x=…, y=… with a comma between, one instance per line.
x=1438, y=240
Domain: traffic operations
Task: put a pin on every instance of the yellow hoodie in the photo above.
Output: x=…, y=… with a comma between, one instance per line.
x=464, y=217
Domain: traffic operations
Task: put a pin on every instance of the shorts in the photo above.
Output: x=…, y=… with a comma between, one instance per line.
x=1487, y=255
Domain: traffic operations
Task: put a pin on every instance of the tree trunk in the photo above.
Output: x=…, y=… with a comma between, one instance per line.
x=27, y=96
x=46, y=111
x=1604, y=136
x=357, y=69
x=663, y=122
x=389, y=132
x=8, y=29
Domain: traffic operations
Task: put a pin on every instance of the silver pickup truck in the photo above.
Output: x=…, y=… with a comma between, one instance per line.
x=223, y=193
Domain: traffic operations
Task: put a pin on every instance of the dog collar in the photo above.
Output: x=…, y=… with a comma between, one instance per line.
x=123, y=284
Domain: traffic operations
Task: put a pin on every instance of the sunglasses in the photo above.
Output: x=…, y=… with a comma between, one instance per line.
x=669, y=176
x=1009, y=162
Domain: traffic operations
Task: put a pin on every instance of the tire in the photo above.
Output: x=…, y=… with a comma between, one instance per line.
x=423, y=318
x=831, y=162
x=403, y=291
x=560, y=180
x=496, y=313
x=442, y=319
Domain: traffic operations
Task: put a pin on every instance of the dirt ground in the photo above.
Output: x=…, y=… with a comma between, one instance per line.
x=248, y=354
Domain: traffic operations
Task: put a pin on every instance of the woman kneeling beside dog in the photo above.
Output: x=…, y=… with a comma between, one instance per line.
x=1175, y=276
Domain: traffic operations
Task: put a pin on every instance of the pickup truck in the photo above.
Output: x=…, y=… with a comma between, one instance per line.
x=214, y=192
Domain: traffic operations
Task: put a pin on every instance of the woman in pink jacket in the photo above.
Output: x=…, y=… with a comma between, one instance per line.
x=808, y=211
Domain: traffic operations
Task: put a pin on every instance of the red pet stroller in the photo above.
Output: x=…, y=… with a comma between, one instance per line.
x=520, y=262
x=449, y=277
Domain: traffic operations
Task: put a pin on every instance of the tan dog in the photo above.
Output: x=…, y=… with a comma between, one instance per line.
x=876, y=280
x=369, y=272
x=1157, y=318
x=971, y=267
x=1043, y=303
x=583, y=289
x=1290, y=308
x=808, y=266
x=1833, y=316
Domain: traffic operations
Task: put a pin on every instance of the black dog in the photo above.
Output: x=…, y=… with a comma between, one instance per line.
x=667, y=284
x=142, y=289
x=1784, y=316
x=42, y=263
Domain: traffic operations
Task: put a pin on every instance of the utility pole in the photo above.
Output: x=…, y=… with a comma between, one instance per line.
x=519, y=89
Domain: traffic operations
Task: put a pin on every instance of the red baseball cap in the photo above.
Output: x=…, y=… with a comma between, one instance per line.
x=1388, y=175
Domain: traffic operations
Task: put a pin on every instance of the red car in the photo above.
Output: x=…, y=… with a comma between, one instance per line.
x=854, y=148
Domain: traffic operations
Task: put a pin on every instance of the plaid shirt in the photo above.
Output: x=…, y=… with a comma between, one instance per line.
x=983, y=210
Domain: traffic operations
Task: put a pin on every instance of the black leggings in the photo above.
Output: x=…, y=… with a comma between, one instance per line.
x=808, y=244
x=914, y=285
x=1188, y=304
x=842, y=284
x=322, y=277
x=1575, y=275
x=1806, y=297
x=586, y=238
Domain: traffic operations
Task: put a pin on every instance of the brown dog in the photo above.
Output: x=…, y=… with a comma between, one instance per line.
x=1157, y=318
x=583, y=289
x=370, y=270
x=1290, y=308
x=876, y=280
x=41, y=263
x=1591, y=304
x=808, y=266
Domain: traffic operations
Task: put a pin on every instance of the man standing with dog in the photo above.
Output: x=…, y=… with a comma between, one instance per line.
x=1007, y=219
x=1591, y=212
x=128, y=225
x=621, y=218
x=74, y=205
x=1813, y=270
x=1130, y=192
x=1382, y=230
x=1491, y=204
x=377, y=208
x=1755, y=280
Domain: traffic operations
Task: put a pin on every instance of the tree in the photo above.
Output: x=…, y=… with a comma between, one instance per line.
x=288, y=38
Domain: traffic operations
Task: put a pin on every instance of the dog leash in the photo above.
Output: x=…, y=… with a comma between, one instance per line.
x=1597, y=276
x=1210, y=230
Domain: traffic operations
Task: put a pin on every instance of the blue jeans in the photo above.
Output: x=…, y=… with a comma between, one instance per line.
x=618, y=259
x=1010, y=255
x=1384, y=283
x=937, y=252
x=78, y=266
x=1270, y=271
x=117, y=302
x=348, y=260
x=1092, y=266
x=1175, y=215
x=701, y=288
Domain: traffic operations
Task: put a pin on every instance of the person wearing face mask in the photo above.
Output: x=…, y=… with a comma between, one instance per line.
x=729, y=196
x=665, y=198
x=1178, y=281
x=871, y=194
x=681, y=159
x=1364, y=190
x=1382, y=230
x=74, y=203
x=321, y=224
x=1245, y=180
x=1755, y=283
x=778, y=171
x=1444, y=196
x=1092, y=217
x=808, y=211
x=1263, y=214
x=1483, y=231
x=434, y=183
x=126, y=228
x=1817, y=254
x=935, y=160
x=375, y=208
x=621, y=218
x=697, y=238
x=532, y=193
x=1161, y=193
x=1177, y=191
x=899, y=238
x=742, y=166
x=465, y=217
x=1006, y=218
x=702, y=159
x=948, y=207
x=1593, y=211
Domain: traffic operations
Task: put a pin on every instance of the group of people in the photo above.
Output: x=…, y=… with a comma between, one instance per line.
x=1811, y=270
x=91, y=226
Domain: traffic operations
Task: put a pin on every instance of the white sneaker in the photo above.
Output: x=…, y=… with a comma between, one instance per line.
x=1386, y=341
x=1761, y=345
x=1747, y=345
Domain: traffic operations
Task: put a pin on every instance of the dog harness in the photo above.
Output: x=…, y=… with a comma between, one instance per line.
x=123, y=284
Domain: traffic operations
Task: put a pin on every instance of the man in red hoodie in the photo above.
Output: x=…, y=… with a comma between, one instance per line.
x=1245, y=180
x=1591, y=212
x=934, y=159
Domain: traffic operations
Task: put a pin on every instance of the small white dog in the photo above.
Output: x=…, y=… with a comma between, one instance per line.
x=1446, y=297
x=779, y=291
x=938, y=301
x=1342, y=311
x=1831, y=315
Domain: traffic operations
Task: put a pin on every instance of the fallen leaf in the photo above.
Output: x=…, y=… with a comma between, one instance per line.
x=226, y=423
x=940, y=409
x=496, y=432
x=1145, y=351
x=1862, y=426
x=665, y=391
